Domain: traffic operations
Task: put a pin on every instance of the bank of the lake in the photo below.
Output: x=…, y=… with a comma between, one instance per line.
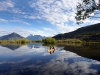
x=49, y=41
x=19, y=41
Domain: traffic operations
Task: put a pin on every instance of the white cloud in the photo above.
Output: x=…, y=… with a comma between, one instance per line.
x=32, y=16
x=66, y=28
x=63, y=62
x=9, y=6
x=3, y=20
x=14, y=62
x=57, y=12
x=21, y=31
x=44, y=33
x=77, y=66
x=16, y=20
x=19, y=21
x=90, y=21
x=22, y=50
x=17, y=11
x=60, y=13
x=6, y=5
x=25, y=32
x=48, y=29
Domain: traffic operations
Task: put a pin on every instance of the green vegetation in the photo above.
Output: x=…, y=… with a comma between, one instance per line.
x=49, y=41
x=36, y=41
x=70, y=41
x=19, y=41
x=85, y=9
x=89, y=34
x=55, y=44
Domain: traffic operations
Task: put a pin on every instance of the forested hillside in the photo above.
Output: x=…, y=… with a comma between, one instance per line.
x=91, y=32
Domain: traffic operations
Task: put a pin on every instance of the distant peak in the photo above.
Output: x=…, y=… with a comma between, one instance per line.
x=37, y=35
x=13, y=36
x=13, y=33
x=31, y=35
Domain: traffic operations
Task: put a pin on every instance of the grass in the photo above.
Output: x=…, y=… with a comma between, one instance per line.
x=70, y=41
x=48, y=41
x=20, y=41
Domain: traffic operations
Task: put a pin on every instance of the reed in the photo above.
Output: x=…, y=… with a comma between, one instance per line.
x=19, y=41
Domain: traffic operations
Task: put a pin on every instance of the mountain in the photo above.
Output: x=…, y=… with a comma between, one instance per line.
x=12, y=36
x=35, y=37
x=91, y=32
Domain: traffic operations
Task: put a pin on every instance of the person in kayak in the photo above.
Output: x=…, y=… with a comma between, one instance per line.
x=52, y=49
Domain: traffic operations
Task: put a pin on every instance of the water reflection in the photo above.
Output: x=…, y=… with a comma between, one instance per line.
x=26, y=61
x=34, y=45
x=88, y=51
x=16, y=46
x=11, y=46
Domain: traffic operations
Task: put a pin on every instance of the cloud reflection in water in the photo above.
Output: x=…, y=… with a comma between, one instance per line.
x=26, y=61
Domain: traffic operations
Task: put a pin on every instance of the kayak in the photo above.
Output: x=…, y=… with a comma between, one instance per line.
x=51, y=50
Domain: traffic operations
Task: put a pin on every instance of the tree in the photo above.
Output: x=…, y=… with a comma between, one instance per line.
x=49, y=41
x=85, y=9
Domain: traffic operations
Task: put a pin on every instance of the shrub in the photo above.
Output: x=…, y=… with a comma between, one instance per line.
x=49, y=41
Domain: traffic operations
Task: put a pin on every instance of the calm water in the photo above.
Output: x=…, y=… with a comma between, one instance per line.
x=34, y=59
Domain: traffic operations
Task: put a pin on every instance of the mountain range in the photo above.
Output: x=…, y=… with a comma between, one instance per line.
x=91, y=32
x=87, y=33
x=12, y=36
x=35, y=37
x=15, y=36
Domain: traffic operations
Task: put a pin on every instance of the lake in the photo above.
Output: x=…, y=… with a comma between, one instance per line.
x=34, y=59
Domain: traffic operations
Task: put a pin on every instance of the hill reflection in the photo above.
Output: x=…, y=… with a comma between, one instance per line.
x=11, y=46
x=16, y=46
x=88, y=51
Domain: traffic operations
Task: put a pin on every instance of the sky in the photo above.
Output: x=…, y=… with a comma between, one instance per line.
x=39, y=17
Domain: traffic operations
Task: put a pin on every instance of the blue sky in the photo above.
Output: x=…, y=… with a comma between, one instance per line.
x=39, y=17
